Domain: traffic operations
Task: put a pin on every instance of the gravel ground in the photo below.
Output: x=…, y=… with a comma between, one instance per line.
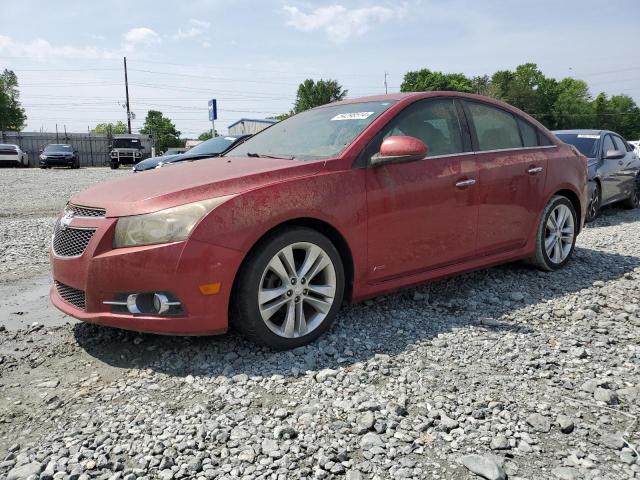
x=502, y=373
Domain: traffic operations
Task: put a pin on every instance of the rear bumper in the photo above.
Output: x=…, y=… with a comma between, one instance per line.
x=103, y=273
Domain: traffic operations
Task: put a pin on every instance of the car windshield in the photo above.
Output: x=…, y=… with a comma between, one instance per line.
x=58, y=148
x=315, y=134
x=212, y=146
x=585, y=143
x=126, y=143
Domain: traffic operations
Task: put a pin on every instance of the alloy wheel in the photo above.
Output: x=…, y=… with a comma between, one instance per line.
x=297, y=290
x=559, y=233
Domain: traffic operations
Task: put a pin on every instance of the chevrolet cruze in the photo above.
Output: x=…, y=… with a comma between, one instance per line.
x=339, y=203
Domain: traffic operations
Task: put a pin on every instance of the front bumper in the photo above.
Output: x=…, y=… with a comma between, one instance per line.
x=57, y=162
x=102, y=273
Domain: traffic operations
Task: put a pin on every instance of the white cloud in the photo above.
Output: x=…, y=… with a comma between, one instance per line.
x=141, y=35
x=339, y=22
x=199, y=23
x=196, y=29
x=42, y=49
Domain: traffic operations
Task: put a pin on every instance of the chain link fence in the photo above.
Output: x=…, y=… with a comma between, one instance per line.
x=93, y=149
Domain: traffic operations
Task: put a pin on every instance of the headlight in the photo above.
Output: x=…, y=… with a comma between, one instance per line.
x=166, y=226
x=43, y=157
x=138, y=154
x=114, y=154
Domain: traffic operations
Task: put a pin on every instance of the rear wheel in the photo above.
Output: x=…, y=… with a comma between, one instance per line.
x=634, y=199
x=556, y=234
x=593, y=210
x=289, y=289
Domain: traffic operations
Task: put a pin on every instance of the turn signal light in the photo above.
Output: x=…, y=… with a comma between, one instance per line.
x=210, y=288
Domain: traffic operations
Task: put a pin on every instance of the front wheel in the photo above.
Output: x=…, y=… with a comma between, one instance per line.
x=556, y=234
x=114, y=166
x=289, y=289
x=634, y=199
x=595, y=200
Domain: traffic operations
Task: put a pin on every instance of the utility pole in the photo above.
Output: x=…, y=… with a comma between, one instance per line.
x=386, y=90
x=126, y=88
x=57, y=140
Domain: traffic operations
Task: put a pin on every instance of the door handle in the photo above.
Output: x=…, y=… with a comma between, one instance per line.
x=534, y=170
x=466, y=183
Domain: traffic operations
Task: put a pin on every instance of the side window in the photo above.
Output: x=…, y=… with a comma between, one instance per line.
x=495, y=128
x=435, y=122
x=543, y=139
x=620, y=145
x=607, y=145
x=529, y=134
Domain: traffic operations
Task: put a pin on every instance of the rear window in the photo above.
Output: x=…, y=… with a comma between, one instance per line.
x=586, y=144
x=529, y=134
x=495, y=128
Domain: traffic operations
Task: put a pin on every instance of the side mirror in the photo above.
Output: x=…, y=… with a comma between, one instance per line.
x=41, y=151
x=399, y=149
x=614, y=154
x=109, y=146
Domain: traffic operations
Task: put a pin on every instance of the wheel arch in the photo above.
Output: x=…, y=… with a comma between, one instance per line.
x=323, y=227
x=575, y=201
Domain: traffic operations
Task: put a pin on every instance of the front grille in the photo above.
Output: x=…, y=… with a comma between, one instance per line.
x=72, y=296
x=80, y=211
x=70, y=242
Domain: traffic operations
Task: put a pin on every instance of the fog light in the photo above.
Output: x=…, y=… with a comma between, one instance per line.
x=146, y=303
x=162, y=304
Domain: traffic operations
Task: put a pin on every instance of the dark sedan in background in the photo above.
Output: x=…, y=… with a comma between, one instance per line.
x=614, y=168
x=213, y=147
x=59, y=155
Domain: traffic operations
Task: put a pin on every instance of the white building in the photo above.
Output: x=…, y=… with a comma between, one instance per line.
x=249, y=125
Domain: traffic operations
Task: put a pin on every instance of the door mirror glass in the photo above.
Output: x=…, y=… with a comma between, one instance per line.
x=400, y=149
x=614, y=154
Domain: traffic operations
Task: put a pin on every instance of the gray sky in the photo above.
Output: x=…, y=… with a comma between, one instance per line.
x=252, y=55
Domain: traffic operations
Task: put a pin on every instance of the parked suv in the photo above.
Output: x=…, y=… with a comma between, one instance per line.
x=614, y=168
x=346, y=201
x=59, y=155
x=125, y=150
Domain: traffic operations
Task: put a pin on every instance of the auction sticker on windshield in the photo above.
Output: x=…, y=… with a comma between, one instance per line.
x=352, y=116
x=595, y=137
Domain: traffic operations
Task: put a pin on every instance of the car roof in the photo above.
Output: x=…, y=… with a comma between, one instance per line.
x=8, y=145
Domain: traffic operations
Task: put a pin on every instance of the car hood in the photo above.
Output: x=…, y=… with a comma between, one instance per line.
x=190, y=182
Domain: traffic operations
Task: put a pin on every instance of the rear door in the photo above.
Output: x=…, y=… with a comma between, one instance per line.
x=420, y=215
x=626, y=173
x=608, y=172
x=511, y=175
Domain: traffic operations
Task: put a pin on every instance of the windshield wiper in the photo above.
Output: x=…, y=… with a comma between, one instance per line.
x=281, y=157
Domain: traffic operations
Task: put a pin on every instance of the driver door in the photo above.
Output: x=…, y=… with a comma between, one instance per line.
x=422, y=215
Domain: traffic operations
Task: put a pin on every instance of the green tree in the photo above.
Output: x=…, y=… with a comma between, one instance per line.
x=12, y=115
x=527, y=89
x=162, y=130
x=618, y=113
x=572, y=106
x=206, y=135
x=313, y=94
x=425, y=81
x=117, y=128
x=282, y=116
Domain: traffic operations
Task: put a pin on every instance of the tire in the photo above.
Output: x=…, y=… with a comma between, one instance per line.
x=258, y=277
x=76, y=165
x=114, y=166
x=545, y=236
x=595, y=202
x=634, y=200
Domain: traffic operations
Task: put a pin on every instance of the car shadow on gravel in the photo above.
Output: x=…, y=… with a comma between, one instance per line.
x=613, y=215
x=490, y=299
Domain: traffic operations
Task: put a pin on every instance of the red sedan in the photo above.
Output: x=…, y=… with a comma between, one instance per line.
x=343, y=202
